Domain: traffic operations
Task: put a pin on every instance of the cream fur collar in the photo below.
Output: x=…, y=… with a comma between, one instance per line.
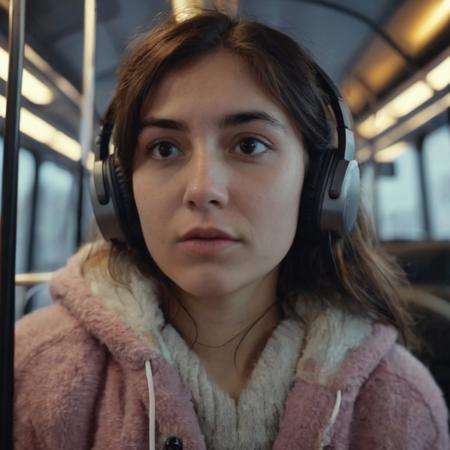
x=331, y=337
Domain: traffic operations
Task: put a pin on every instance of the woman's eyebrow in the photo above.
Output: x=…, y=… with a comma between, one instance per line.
x=224, y=122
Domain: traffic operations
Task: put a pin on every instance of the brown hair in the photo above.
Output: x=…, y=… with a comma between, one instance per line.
x=352, y=273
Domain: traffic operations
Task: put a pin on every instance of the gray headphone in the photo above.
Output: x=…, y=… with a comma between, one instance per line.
x=330, y=196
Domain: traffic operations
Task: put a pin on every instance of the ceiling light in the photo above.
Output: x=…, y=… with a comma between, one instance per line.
x=65, y=145
x=408, y=100
x=34, y=126
x=32, y=88
x=375, y=124
x=43, y=132
x=390, y=153
x=416, y=121
x=363, y=154
x=439, y=77
x=433, y=19
x=60, y=82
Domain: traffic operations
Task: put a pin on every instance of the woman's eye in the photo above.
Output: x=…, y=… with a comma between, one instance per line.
x=164, y=148
x=250, y=145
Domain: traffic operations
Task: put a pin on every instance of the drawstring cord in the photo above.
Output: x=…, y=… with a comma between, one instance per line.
x=327, y=433
x=337, y=405
x=151, y=407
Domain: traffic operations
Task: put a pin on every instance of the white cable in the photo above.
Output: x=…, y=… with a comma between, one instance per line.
x=337, y=405
x=326, y=438
x=151, y=407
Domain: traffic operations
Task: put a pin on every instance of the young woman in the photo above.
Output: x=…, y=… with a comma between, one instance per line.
x=276, y=337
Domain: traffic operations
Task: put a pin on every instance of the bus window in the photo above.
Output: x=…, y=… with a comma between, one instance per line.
x=56, y=217
x=436, y=159
x=27, y=167
x=399, y=203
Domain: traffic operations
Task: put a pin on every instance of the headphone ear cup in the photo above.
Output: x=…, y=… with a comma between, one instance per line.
x=124, y=203
x=321, y=212
x=340, y=202
x=104, y=203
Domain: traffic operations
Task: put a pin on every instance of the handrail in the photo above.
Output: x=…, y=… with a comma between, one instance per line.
x=29, y=279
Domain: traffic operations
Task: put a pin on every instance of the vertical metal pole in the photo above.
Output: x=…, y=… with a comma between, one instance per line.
x=423, y=187
x=87, y=107
x=33, y=214
x=9, y=219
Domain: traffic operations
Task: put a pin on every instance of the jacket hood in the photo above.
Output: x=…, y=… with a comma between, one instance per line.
x=339, y=352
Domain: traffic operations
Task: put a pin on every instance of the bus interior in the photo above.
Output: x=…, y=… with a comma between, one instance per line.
x=390, y=59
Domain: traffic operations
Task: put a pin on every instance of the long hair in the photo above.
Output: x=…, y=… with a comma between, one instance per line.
x=352, y=273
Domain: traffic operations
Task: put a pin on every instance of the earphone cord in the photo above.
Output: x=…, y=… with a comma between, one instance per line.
x=229, y=340
x=246, y=328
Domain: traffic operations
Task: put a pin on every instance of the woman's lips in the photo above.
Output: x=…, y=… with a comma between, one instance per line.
x=206, y=246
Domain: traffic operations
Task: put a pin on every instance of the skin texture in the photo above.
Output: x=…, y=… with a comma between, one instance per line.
x=203, y=177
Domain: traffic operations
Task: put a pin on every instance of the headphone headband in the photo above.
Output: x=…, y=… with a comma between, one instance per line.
x=343, y=117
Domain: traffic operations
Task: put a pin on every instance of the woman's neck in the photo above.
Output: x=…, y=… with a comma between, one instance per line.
x=221, y=324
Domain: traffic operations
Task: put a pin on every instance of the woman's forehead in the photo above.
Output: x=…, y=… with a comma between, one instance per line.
x=218, y=81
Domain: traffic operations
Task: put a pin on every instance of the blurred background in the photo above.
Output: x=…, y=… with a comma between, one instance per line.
x=391, y=60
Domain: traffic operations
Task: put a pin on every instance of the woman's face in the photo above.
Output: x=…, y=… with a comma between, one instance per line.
x=243, y=175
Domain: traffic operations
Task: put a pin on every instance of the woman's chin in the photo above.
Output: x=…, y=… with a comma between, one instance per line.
x=205, y=287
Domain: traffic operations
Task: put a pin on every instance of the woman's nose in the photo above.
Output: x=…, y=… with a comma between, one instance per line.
x=206, y=180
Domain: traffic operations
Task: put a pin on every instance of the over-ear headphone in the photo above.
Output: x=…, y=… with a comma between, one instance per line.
x=330, y=196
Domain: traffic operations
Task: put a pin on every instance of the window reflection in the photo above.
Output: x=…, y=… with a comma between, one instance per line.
x=399, y=200
x=56, y=217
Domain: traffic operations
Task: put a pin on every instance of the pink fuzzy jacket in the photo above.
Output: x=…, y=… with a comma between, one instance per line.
x=91, y=372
